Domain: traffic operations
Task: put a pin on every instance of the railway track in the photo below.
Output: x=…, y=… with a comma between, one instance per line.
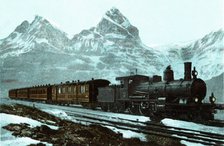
x=195, y=136
x=217, y=123
x=148, y=128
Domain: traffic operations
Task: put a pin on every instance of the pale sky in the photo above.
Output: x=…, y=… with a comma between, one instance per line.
x=159, y=22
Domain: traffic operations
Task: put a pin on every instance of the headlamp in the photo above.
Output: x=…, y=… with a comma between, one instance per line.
x=196, y=100
x=213, y=99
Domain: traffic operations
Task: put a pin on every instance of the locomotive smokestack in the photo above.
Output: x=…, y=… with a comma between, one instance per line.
x=187, y=71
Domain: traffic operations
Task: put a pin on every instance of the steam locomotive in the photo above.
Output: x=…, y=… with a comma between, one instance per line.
x=138, y=94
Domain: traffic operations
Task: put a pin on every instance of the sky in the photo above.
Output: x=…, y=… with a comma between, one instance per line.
x=160, y=22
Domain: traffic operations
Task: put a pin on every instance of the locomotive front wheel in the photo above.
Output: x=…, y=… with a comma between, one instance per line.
x=134, y=109
x=144, y=108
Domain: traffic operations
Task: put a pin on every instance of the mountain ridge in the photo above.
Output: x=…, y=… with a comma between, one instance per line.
x=38, y=52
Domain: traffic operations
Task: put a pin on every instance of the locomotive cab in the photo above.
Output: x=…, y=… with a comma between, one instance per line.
x=129, y=83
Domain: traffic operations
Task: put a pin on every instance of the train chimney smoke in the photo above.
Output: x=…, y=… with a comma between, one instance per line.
x=187, y=71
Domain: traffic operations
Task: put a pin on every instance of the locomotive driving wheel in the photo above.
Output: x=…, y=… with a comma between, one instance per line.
x=144, y=108
x=134, y=108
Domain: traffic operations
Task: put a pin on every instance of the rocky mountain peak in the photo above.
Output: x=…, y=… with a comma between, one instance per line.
x=40, y=21
x=44, y=31
x=115, y=24
x=116, y=16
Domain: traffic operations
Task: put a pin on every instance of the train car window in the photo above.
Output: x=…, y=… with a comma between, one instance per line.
x=63, y=90
x=82, y=89
x=66, y=89
x=59, y=90
x=69, y=89
x=87, y=88
x=74, y=89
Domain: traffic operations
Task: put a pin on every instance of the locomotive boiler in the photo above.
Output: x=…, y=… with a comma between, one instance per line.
x=189, y=90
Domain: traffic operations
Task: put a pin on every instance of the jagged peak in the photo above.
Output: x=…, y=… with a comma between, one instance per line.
x=39, y=20
x=115, y=15
x=114, y=22
x=113, y=11
x=22, y=27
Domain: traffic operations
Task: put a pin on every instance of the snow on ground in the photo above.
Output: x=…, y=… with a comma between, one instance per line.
x=58, y=113
x=187, y=143
x=128, y=133
x=7, y=139
x=125, y=133
x=193, y=126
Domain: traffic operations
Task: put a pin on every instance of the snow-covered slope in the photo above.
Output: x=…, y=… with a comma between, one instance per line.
x=207, y=54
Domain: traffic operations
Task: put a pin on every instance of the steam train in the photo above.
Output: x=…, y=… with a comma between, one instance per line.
x=138, y=94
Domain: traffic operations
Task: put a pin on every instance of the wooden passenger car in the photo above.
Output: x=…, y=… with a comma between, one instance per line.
x=23, y=93
x=78, y=92
x=84, y=93
x=13, y=93
x=40, y=93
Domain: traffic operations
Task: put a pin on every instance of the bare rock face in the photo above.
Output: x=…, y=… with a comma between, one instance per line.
x=23, y=27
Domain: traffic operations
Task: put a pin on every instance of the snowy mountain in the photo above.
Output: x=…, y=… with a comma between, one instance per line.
x=206, y=54
x=40, y=34
x=40, y=53
x=113, y=30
